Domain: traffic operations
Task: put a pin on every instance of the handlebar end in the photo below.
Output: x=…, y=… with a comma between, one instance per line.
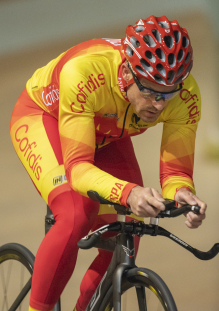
x=89, y=241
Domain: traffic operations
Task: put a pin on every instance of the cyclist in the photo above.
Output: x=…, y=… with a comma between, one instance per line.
x=71, y=128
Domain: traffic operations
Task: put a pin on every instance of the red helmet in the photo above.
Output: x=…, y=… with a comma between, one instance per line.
x=159, y=50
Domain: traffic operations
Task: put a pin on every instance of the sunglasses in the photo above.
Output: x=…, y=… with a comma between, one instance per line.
x=147, y=92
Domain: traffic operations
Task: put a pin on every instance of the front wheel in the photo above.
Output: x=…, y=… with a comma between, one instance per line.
x=16, y=268
x=143, y=290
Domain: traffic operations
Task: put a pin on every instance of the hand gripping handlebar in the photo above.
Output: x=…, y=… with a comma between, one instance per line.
x=170, y=206
x=140, y=228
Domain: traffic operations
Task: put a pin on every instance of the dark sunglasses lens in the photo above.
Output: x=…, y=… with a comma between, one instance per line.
x=160, y=97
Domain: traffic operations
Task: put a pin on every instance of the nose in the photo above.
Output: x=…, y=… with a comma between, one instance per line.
x=159, y=105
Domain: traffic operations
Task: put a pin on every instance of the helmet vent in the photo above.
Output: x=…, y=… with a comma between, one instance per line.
x=139, y=29
x=161, y=69
x=169, y=41
x=188, y=57
x=180, y=56
x=177, y=36
x=141, y=71
x=159, y=79
x=180, y=70
x=134, y=42
x=163, y=25
x=170, y=76
x=158, y=49
x=150, y=56
x=171, y=59
x=185, y=42
x=149, y=40
x=160, y=54
x=129, y=51
x=156, y=35
x=146, y=65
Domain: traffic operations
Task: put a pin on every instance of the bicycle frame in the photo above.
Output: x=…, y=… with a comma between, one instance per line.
x=122, y=246
x=119, y=274
x=122, y=260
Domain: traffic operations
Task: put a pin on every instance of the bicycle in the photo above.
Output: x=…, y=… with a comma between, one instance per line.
x=122, y=274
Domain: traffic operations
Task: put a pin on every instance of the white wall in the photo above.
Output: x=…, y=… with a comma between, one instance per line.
x=27, y=23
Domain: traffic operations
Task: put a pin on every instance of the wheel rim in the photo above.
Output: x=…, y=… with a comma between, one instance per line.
x=15, y=273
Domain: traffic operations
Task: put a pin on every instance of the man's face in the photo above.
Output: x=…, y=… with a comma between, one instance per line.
x=146, y=107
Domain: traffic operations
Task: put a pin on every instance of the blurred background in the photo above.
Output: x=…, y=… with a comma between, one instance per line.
x=35, y=31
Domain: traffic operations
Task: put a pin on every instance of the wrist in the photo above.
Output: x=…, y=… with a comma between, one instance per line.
x=126, y=192
x=178, y=190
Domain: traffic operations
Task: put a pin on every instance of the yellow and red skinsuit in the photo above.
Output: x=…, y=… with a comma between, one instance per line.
x=83, y=89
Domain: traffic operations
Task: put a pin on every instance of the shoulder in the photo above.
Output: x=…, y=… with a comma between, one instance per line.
x=185, y=108
x=93, y=49
x=190, y=90
x=99, y=56
x=99, y=62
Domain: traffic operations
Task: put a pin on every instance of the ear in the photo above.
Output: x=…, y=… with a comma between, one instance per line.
x=126, y=73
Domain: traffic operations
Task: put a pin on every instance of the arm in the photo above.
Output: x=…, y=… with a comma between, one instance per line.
x=77, y=130
x=177, y=151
